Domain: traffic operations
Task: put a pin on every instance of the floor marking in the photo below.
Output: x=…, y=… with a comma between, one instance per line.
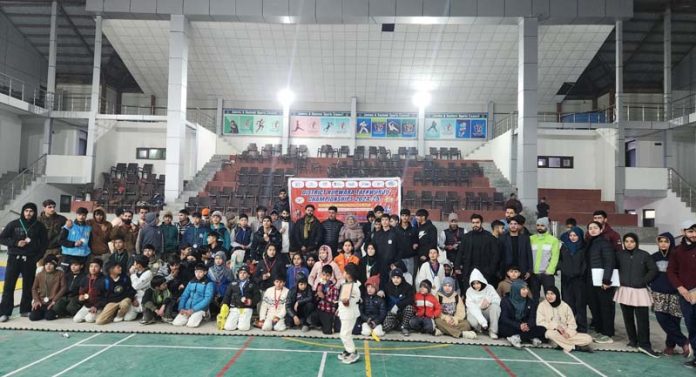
x=415, y=348
x=587, y=365
x=558, y=372
x=499, y=362
x=368, y=366
x=50, y=356
x=322, y=365
x=234, y=357
x=471, y=358
x=92, y=356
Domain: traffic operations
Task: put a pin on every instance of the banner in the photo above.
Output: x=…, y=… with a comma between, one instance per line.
x=252, y=122
x=378, y=125
x=320, y=124
x=456, y=126
x=352, y=196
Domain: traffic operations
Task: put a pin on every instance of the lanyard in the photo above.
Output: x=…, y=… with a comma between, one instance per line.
x=242, y=284
x=26, y=230
x=269, y=268
x=276, y=299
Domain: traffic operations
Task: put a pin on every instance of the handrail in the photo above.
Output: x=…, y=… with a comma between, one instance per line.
x=681, y=187
x=23, y=179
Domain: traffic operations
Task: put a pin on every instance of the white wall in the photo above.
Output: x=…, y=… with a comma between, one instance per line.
x=649, y=154
x=18, y=58
x=68, y=169
x=205, y=144
x=10, y=142
x=501, y=150
x=560, y=143
x=646, y=179
x=669, y=211
x=32, y=138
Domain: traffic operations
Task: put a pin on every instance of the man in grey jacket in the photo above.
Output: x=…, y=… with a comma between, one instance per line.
x=150, y=234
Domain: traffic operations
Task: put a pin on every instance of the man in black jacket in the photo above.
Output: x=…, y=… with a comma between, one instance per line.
x=427, y=235
x=26, y=241
x=307, y=234
x=387, y=243
x=54, y=225
x=450, y=239
x=478, y=249
x=332, y=227
x=407, y=239
x=283, y=202
x=516, y=248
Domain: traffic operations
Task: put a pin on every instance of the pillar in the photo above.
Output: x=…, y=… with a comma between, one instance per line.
x=527, y=108
x=667, y=81
x=176, y=106
x=285, y=138
x=50, y=79
x=490, y=109
x=620, y=149
x=353, y=123
x=219, y=121
x=420, y=128
x=94, y=99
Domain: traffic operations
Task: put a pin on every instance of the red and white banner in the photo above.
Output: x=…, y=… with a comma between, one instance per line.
x=352, y=196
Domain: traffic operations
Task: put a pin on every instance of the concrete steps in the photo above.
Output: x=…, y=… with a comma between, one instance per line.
x=198, y=182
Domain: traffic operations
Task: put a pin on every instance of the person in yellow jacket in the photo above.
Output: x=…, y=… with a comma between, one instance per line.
x=557, y=317
x=546, y=250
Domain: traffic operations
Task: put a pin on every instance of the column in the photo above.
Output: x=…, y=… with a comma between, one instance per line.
x=421, y=131
x=353, y=123
x=490, y=109
x=50, y=80
x=285, y=139
x=667, y=80
x=527, y=107
x=219, y=120
x=176, y=106
x=620, y=150
x=94, y=99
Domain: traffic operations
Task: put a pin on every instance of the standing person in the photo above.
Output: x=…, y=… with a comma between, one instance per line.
x=101, y=230
x=142, y=211
x=497, y=228
x=170, y=233
x=478, y=250
x=53, y=222
x=607, y=232
x=26, y=240
x=255, y=223
x=666, y=298
x=546, y=250
x=47, y=290
x=183, y=224
x=518, y=312
x=346, y=256
x=332, y=228
x=284, y=226
x=681, y=272
x=573, y=266
x=348, y=313
x=127, y=231
x=282, y=202
x=324, y=257
x=451, y=238
x=196, y=235
x=516, y=248
x=387, y=244
x=241, y=239
x=75, y=239
x=368, y=225
x=150, y=234
x=352, y=231
x=543, y=208
x=510, y=213
x=514, y=202
x=636, y=270
x=216, y=225
x=307, y=233
x=557, y=318
x=601, y=256
x=408, y=239
x=427, y=235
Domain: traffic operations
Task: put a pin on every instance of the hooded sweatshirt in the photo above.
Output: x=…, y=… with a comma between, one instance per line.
x=474, y=298
x=150, y=234
x=100, y=234
x=682, y=264
x=315, y=274
x=661, y=284
x=22, y=229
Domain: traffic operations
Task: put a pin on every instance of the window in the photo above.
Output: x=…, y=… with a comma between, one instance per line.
x=555, y=162
x=151, y=153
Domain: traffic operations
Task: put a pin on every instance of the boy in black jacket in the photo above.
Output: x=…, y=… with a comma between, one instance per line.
x=69, y=305
x=373, y=309
x=299, y=304
x=26, y=239
x=117, y=296
x=158, y=302
x=242, y=296
x=399, y=295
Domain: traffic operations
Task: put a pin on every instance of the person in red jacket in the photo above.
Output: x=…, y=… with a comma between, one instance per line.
x=681, y=272
x=427, y=309
x=607, y=232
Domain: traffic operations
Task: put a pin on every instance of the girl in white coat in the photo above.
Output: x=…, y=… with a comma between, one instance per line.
x=482, y=304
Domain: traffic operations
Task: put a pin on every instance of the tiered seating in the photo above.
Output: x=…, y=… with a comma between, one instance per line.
x=126, y=185
x=579, y=204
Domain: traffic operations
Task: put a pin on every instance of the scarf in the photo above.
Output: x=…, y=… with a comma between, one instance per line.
x=448, y=281
x=518, y=302
x=308, y=222
x=573, y=246
x=218, y=272
x=356, y=225
x=557, y=302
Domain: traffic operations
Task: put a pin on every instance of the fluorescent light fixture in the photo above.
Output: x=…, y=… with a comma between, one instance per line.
x=422, y=99
x=286, y=97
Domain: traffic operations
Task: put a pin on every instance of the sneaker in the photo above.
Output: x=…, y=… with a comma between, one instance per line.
x=632, y=345
x=341, y=356
x=4, y=318
x=405, y=332
x=515, y=341
x=536, y=342
x=669, y=351
x=493, y=335
x=305, y=328
x=469, y=334
x=167, y=320
x=603, y=339
x=649, y=352
x=690, y=363
x=144, y=322
x=118, y=319
x=438, y=332
x=25, y=314
x=351, y=358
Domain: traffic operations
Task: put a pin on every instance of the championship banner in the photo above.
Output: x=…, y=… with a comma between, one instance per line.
x=456, y=126
x=386, y=125
x=252, y=122
x=320, y=124
x=352, y=196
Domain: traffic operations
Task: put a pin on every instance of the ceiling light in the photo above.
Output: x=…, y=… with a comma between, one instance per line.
x=422, y=99
x=286, y=97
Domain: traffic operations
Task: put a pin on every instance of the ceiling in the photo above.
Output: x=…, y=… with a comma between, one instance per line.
x=466, y=64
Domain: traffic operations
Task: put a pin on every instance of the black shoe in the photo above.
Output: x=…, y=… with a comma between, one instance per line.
x=25, y=314
x=690, y=363
x=632, y=345
x=405, y=332
x=649, y=351
x=587, y=349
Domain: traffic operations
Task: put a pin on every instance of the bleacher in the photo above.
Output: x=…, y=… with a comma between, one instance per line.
x=126, y=185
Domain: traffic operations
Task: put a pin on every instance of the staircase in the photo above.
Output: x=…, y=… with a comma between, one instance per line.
x=680, y=187
x=13, y=184
x=199, y=182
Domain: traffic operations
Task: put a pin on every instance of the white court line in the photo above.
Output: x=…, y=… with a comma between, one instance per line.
x=92, y=356
x=321, y=366
x=473, y=358
x=50, y=356
x=587, y=365
x=545, y=362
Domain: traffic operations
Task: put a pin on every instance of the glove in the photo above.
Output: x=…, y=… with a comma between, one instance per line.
x=222, y=317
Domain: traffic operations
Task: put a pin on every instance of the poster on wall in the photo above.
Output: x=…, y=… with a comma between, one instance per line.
x=385, y=126
x=252, y=122
x=320, y=124
x=352, y=196
x=456, y=126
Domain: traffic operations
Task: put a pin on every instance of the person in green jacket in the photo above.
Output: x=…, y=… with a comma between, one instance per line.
x=170, y=233
x=546, y=249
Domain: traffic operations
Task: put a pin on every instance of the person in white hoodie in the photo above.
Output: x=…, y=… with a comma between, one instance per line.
x=348, y=313
x=482, y=304
x=140, y=277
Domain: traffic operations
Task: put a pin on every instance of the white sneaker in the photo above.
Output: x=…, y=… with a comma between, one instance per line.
x=469, y=334
x=342, y=355
x=351, y=358
x=536, y=342
x=118, y=319
x=493, y=335
x=515, y=341
x=438, y=332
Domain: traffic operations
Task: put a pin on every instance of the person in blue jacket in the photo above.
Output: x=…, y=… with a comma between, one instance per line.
x=197, y=234
x=194, y=302
x=75, y=239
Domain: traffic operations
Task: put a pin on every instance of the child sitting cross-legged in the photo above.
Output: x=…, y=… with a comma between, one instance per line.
x=427, y=309
x=557, y=318
x=452, y=321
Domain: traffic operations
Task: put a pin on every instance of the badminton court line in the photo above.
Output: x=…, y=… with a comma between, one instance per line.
x=51, y=355
x=545, y=362
x=587, y=365
x=322, y=365
x=93, y=356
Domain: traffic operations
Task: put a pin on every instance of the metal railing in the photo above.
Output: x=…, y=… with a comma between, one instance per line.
x=202, y=117
x=18, y=89
x=11, y=189
x=685, y=191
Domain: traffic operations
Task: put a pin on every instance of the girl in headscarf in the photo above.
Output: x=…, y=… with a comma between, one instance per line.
x=557, y=318
x=352, y=230
x=601, y=259
x=452, y=321
x=324, y=257
x=220, y=275
x=573, y=266
x=518, y=317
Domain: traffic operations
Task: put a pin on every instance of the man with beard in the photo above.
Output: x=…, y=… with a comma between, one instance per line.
x=681, y=272
x=183, y=224
x=478, y=249
x=450, y=238
x=101, y=230
x=127, y=231
x=26, y=241
x=332, y=227
x=515, y=248
x=150, y=234
x=407, y=239
x=307, y=233
x=546, y=250
x=283, y=202
x=510, y=212
x=53, y=223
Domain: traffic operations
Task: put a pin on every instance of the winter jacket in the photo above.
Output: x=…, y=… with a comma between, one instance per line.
x=315, y=274
x=124, y=259
x=546, y=249
x=225, y=237
x=552, y=318
x=281, y=204
x=474, y=298
x=235, y=293
x=354, y=234
x=114, y=291
x=242, y=237
x=612, y=236
x=150, y=233
x=295, y=296
x=73, y=283
x=170, y=234
x=400, y=295
x=508, y=323
x=100, y=236
x=407, y=237
x=273, y=304
x=197, y=237
x=314, y=238
x=54, y=226
x=258, y=244
x=373, y=308
x=129, y=234
x=153, y=299
x=329, y=303
x=291, y=275
x=48, y=285
x=77, y=232
x=426, y=272
x=197, y=295
x=140, y=282
x=221, y=284
x=386, y=243
x=427, y=238
x=90, y=285
x=275, y=266
x=451, y=238
x=573, y=265
x=478, y=250
x=451, y=307
x=524, y=253
x=661, y=283
x=600, y=254
x=20, y=229
x=682, y=264
x=352, y=310
x=636, y=268
x=427, y=305
x=331, y=230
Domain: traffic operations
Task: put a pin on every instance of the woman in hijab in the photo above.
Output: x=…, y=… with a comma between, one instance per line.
x=573, y=266
x=557, y=318
x=452, y=321
x=352, y=230
x=518, y=317
x=220, y=275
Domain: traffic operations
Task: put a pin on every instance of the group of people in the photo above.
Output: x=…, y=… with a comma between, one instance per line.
x=390, y=273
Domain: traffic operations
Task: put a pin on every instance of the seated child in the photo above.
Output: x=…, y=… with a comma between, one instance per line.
x=221, y=276
x=399, y=296
x=157, y=302
x=557, y=318
x=452, y=321
x=68, y=305
x=326, y=297
x=482, y=304
x=89, y=293
x=241, y=298
x=512, y=274
x=295, y=270
x=272, y=314
x=300, y=304
x=48, y=288
x=373, y=309
x=140, y=277
x=117, y=296
x=194, y=302
x=427, y=309
x=518, y=317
